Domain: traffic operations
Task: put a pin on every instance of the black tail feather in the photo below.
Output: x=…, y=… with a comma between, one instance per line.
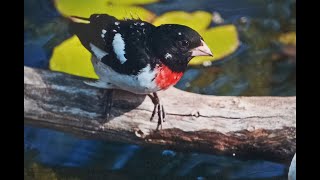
x=88, y=30
x=80, y=29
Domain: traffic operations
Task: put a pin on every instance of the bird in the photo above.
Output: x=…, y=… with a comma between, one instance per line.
x=137, y=56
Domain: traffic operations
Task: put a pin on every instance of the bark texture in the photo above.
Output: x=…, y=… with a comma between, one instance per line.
x=246, y=127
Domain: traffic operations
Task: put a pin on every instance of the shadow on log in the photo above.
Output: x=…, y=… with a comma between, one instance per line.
x=245, y=127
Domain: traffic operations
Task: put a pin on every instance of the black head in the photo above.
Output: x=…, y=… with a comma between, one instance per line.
x=176, y=45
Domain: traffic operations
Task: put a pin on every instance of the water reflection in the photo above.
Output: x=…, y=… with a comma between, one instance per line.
x=56, y=149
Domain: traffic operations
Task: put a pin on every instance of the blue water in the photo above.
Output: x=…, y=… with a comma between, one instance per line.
x=57, y=149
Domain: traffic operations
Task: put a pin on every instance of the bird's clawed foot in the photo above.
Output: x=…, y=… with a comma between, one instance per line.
x=106, y=104
x=159, y=109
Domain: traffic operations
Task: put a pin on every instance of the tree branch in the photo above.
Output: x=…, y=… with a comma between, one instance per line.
x=245, y=127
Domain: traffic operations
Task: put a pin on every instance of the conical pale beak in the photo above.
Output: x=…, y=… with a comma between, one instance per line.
x=202, y=50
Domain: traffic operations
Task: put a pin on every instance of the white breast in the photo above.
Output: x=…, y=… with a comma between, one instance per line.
x=143, y=83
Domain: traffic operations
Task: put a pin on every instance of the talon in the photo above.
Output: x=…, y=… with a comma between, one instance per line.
x=159, y=125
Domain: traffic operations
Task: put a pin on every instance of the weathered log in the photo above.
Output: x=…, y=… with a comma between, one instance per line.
x=245, y=127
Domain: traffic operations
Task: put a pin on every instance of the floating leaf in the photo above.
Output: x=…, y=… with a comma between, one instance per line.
x=288, y=38
x=131, y=2
x=72, y=58
x=198, y=20
x=222, y=40
x=85, y=8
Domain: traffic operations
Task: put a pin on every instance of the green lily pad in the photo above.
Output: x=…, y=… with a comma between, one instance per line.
x=85, y=8
x=72, y=58
x=198, y=20
x=131, y=2
x=288, y=38
x=222, y=40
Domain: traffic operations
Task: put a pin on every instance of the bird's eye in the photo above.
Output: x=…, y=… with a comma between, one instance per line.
x=184, y=43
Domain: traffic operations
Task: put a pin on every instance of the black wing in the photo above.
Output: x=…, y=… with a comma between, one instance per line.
x=98, y=37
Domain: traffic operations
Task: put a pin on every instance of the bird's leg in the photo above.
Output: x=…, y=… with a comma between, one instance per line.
x=158, y=108
x=107, y=104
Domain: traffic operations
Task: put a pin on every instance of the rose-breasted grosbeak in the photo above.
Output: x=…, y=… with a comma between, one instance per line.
x=137, y=56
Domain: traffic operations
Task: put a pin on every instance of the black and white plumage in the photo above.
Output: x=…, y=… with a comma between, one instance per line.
x=136, y=56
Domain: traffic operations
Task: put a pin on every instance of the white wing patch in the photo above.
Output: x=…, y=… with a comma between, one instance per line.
x=98, y=52
x=168, y=55
x=118, y=46
x=103, y=32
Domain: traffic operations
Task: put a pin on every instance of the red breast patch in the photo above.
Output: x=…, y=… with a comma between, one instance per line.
x=166, y=78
